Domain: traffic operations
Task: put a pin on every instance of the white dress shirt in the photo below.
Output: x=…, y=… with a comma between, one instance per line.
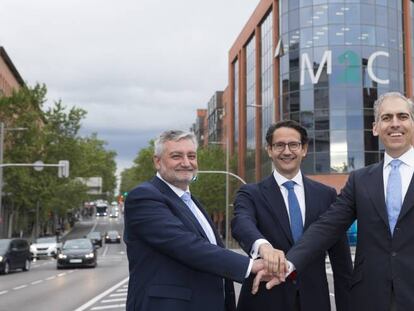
x=406, y=171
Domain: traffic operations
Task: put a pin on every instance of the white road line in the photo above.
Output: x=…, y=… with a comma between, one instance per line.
x=100, y=296
x=94, y=226
x=51, y=278
x=113, y=300
x=333, y=295
x=118, y=295
x=20, y=287
x=109, y=307
x=105, y=251
x=122, y=290
x=61, y=274
x=36, y=282
x=4, y=292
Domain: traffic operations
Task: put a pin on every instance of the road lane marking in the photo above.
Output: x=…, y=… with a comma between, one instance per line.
x=100, y=296
x=61, y=274
x=113, y=300
x=36, y=282
x=4, y=292
x=20, y=287
x=122, y=290
x=51, y=278
x=109, y=307
x=105, y=251
x=117, y=295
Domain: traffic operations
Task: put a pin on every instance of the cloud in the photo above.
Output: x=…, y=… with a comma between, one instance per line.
x=137, y=67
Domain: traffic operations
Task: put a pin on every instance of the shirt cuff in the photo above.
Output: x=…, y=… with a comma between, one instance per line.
x=249, y=269
x=254, y=252
x=291, y=268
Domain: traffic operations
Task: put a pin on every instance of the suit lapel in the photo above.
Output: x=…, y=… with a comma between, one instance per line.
x=408, y=202
x=180, y=208
x=375, y=185
x=276, y=204
x=311, y=196
x=213, y=227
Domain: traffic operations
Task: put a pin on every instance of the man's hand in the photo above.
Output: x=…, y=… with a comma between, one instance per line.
x=263, y=276
x=257, y=266
x=274, y=261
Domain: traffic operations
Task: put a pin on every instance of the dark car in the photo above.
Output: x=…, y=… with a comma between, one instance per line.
x=14, y=254
x=77, y=253
x=95, y=237
x=112, y=236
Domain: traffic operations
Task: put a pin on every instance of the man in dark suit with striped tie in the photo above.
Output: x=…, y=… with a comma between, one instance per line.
x=269, y=218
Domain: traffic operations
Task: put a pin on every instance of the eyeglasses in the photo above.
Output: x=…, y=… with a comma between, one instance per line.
x=293, y=146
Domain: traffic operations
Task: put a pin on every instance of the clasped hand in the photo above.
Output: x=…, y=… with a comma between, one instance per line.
x=272, y=268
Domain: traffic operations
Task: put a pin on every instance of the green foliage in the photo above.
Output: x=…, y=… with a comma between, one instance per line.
x=210, y=188
x=49, y=136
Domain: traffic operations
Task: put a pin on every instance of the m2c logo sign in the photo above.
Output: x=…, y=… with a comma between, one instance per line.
x=352, y=72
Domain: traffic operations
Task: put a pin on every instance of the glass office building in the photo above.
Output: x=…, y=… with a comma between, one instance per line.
x=322, y=63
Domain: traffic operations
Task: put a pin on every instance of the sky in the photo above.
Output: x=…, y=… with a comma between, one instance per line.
x=138, y=67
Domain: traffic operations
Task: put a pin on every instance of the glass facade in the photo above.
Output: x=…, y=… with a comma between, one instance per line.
x=250, y=109
x=338, y=56
x=267, y=103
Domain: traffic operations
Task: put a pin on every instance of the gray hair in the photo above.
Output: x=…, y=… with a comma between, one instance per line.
x=385, y=96
x=172, y=135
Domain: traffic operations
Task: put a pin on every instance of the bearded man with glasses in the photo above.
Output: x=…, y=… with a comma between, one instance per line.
x=269, y=218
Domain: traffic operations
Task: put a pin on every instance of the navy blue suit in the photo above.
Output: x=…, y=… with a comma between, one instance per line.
x=172, y=264
x=383, y=262
x=261, y=213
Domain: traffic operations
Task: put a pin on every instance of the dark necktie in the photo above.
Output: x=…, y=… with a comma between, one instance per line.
x=296, y=223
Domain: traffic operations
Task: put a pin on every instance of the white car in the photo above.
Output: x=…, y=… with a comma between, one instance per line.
x=45, y=247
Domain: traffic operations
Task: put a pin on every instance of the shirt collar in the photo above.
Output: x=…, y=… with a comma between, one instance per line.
x=177, y=191
x=406, y=158
x=280, y=179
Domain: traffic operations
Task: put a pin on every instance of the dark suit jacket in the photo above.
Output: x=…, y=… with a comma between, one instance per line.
x=260, y=213
x=382, y=261
x=173, y=266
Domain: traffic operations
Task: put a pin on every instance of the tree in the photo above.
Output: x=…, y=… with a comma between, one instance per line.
x=50, y=136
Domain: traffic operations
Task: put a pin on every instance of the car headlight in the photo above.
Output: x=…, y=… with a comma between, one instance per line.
x=62, y=256
x=1, y=258
x=32, y=248
x=119, y=237
x=90, y=255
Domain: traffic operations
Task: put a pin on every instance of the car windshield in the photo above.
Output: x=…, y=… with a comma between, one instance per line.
x=4, y=244
x=77, y=244
x=94, y=235
x=113, y=233
x=46, y=240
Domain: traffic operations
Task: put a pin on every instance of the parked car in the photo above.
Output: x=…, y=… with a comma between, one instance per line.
x=45, y=247
x=77, y=253
x=14, y=254
x=112, y=236
x=95, y=237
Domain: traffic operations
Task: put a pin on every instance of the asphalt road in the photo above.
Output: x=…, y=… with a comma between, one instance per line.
x=102, y=288
x=46, y=288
